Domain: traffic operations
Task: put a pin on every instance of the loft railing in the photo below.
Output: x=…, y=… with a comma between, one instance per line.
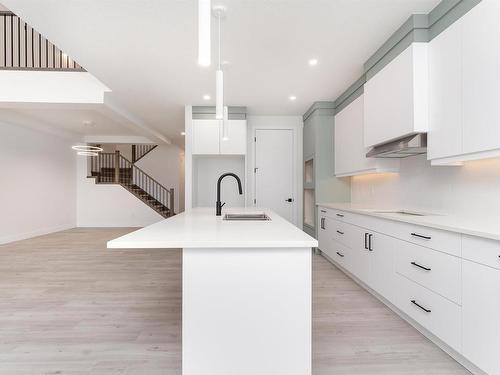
x=139, y=151
x=113, y=168
x=23, y=48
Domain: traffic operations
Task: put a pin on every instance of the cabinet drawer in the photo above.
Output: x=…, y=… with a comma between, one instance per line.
x=447, y=242
x=434, y=270
x=433, y=312
x=481, y=250
x=340, y=254
x=342, y=232
x=333, y=213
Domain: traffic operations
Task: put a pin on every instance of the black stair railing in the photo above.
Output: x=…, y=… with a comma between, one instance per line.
x=141, y=150
x=23, y=48
x=113, y=168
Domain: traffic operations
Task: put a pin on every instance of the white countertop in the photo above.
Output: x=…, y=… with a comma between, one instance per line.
x=200, y=228
x=486, y=227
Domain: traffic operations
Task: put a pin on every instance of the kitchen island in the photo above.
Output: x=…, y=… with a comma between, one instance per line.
x=247, y=287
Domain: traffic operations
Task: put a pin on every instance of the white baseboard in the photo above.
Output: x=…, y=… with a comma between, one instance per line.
x=442, y=345
x=35, y=233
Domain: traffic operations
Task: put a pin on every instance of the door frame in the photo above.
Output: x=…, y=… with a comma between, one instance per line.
x=296, y=125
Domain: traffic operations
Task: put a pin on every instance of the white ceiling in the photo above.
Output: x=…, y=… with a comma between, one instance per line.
x=145, y=51
x=77, y=122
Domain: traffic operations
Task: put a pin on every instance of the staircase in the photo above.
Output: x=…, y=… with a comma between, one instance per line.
x=141, y=150
x=113, y=168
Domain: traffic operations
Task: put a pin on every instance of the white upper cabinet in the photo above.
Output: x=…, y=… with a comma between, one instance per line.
x=464, y=79
x=481, y=77
x=207, y=137
x=350, y=151
x=396, y=98
x=236, y=144
x=445, y=93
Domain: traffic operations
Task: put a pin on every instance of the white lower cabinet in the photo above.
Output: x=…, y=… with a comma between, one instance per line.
x=435, y=313
x=481, y=315
x=446, y=282
x=432, y=269
x=382, y=276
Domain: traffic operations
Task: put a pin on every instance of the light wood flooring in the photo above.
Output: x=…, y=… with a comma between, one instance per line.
x=70, y=306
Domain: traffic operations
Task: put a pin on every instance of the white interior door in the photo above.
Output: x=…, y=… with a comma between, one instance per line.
x=274, y=180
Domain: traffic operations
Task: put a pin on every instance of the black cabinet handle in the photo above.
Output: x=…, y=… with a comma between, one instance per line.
x=339, y=232
x=419, y=266
x=420, y=236
x=323, y=211
x=420, y=306
x=340, y=215
x=370, y=242
x=340, y=255
x=366, y=241
x=289, y=200
x=322, y=223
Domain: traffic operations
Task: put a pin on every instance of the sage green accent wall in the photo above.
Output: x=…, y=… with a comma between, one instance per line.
x=328, y=187
x=319, y=144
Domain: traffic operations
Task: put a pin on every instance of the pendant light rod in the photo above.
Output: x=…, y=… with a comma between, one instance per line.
x=219, y=12
x=204, y=32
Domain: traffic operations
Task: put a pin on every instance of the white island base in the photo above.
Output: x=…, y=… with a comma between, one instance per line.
x=246, y=293
x=246, y=311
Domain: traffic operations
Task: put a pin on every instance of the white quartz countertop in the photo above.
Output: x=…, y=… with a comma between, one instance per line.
x=200, y=228
x=486, y=227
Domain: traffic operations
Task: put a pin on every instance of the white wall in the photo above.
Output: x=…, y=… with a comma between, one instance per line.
x=472, y=189
x=37, y=184
x=206, y=173
x=101, y=205
x=277, y=122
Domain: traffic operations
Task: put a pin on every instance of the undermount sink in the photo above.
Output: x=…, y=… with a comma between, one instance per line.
x=247, y=217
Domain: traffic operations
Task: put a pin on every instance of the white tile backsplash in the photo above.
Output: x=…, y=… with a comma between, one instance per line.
x=473, y=188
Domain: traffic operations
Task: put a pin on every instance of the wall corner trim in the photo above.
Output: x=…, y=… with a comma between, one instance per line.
x=318, y=106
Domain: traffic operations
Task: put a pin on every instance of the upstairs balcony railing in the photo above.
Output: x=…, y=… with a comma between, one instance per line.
x=23, y=48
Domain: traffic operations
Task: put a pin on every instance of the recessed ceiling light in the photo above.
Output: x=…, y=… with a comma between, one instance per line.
x=313, y=62
x=206, y=97
x=292, y=97
x=183, y=133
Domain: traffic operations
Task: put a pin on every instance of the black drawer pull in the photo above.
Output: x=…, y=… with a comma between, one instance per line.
x=421, y=236
x=323, y=211
x=366, y=241
x=419, y=266
x=370, y=242
x=339, y=232
x=340, y=255
x=423, y=308
x=340, y=215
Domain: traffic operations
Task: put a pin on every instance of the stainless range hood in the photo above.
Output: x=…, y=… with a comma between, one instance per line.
x=401, y=148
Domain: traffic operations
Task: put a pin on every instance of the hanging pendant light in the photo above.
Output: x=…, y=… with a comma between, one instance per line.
x=225, y=125
x=219, y=95
x=219, y=74
x=204, y=35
